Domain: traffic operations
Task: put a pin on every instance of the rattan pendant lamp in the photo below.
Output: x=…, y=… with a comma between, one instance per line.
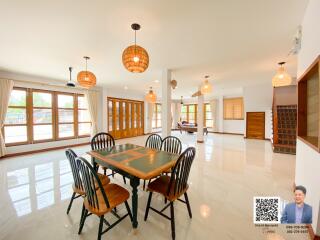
x=206, y=87
x=86, y=78
x=282, y=78
x=135, y=58
x=151, y=97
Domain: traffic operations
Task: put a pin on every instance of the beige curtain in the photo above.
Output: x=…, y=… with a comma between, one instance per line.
x=213, y=107
x=6, y=87
x=92, y=100
x=150, y=116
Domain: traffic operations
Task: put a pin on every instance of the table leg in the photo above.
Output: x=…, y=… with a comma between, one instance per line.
x=134, y=182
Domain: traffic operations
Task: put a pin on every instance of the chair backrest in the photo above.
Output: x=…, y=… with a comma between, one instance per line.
x=180, y=172
x=171, y=144
x=102, y=140
x=71, y=155
x=154, y=141
x=91, y=183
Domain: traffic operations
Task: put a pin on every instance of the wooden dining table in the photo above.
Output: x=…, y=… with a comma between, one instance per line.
x=134, y=162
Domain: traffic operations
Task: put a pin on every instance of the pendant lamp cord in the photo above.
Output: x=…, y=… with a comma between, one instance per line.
x=135, y=42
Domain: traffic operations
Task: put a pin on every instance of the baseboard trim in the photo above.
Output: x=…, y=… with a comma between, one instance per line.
x=200, y=141
x=43, y=150
x=239, y=134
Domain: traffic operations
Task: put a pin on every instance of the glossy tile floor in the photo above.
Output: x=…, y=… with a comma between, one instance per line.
x=227, y=173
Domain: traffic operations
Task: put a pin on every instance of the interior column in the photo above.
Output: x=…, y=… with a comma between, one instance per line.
x=200, y=119
x=166, y=103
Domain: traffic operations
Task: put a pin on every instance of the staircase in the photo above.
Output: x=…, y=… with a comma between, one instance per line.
x=284, y=130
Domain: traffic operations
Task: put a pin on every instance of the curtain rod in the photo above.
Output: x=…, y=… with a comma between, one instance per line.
x=52, y=85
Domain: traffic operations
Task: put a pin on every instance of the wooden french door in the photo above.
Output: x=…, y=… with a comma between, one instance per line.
x=125, y=117
x=255, y=125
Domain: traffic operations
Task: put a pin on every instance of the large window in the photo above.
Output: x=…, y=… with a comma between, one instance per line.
x=233, y=109
x=15, y=126
x=189, y=113
x=42, y=115
x=39, y=115
x=156, y=119
x=208, y=116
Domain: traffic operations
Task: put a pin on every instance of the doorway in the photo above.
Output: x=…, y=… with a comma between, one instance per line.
x=255, y=125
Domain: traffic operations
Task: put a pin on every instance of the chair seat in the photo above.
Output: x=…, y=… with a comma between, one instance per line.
x=116, y=195
x=161, y=185
x=103, y=179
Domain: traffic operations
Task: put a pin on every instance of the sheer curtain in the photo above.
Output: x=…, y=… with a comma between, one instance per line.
x=213, y=107
x=6, y=87
x=92, y=100
x=150, y=116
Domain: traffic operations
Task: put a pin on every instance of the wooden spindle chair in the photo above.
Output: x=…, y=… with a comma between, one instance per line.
x=77, y=186
x=154, y=141
x=173, y=187
x=103, y=140
x=171, y=144
x=102, y=200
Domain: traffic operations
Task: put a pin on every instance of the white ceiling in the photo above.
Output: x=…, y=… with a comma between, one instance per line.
x=235, y=42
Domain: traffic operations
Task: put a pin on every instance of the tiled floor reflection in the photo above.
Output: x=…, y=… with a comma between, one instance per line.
x=227, y=173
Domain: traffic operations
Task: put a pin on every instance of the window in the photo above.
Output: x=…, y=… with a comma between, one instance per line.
x=208, y=116
x=65, y=115
x=38, y=115
x=189, y=113
x=15, y=126
x=42, y=115
x=156, y=119
x=84, y=122
x=233, y=109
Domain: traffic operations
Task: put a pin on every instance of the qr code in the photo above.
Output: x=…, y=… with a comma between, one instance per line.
x=266, y=210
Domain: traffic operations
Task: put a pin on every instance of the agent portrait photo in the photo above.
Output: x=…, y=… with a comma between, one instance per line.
x=297, y=212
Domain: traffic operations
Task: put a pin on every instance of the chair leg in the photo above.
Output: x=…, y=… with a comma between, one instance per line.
x=100, y=227
x=129, y=211
x=84, y=215
x=148, y=206
x=173, y=231
x=112, y=173
x=188, y=204
x=105, y=171
x=124, y=180
x=144, y=185
x=71, y=201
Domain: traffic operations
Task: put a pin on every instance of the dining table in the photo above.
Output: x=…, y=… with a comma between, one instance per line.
x=134, y=162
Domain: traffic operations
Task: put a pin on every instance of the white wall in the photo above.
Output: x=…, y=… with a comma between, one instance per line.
x=29, y=81
x=258, y=98
x=308, y=160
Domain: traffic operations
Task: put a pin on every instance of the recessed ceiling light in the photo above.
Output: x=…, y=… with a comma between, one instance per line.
x=156, y=81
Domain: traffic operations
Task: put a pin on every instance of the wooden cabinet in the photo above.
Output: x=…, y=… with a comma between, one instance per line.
x=125, y=118
x=255, y=125
x=309, y=106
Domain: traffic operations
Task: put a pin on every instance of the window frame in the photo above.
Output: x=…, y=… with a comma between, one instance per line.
x=79, y=122
x=188, y=112
x=156, y=112
x=32, y=107
x=55, y=117
x=19, y=124
x=206, y=114
x=231, y=101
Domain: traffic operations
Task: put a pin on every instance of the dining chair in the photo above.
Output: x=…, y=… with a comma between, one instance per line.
x=154, y=141
x=171, y=144
x=77, y=186
x=101, y=200
x=103, y=140
x=173, y=187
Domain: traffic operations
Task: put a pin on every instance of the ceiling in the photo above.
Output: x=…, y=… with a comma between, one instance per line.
x=237, y=43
